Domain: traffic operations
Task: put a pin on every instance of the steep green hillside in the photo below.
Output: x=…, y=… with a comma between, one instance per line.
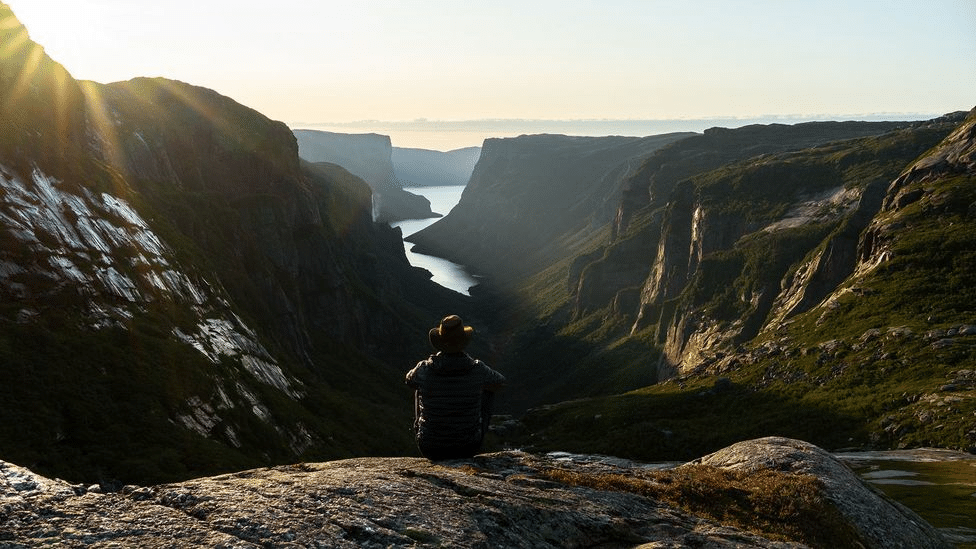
x=868, y=339
x=697, y=270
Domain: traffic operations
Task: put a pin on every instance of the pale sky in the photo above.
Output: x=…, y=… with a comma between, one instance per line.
x=303, y=61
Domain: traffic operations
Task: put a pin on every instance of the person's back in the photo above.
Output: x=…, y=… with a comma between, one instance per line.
x=453, y=395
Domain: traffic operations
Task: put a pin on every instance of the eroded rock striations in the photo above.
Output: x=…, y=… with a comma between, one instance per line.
x=726, y=218
x=508, y=499
x=180, y=293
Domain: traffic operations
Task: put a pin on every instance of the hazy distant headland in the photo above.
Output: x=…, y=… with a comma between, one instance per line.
x=446, y=135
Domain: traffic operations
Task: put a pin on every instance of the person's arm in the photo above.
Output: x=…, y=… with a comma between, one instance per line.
x=411, y=379
x=493, y=380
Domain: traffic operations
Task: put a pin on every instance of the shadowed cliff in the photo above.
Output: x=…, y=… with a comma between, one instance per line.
x=180, y=293
x=531, y=197
x=369, y=156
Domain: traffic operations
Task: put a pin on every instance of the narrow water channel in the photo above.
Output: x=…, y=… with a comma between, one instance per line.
x=447, y=274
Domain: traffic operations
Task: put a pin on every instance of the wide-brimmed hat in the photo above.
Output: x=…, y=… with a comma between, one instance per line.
x=451, y=335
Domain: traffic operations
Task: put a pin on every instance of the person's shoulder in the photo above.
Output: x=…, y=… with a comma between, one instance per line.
x=484, y=366
x=478, y=362
x=421, y=366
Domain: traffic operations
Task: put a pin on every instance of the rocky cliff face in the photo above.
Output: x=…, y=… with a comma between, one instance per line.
x=723, y=241
x=652, y=185
x=824, y=293
x=649, y=192
x=765, y=493
x=530, y=196
x=928, y=187
x=369, y=156
x=833, y=191
x=178, y=287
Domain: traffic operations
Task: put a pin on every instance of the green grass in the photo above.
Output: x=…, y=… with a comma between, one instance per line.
x=682, y=421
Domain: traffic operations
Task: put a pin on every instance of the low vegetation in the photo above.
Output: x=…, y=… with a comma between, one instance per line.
x=773, y=504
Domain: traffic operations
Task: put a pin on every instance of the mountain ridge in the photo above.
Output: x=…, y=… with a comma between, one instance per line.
x=181, y=293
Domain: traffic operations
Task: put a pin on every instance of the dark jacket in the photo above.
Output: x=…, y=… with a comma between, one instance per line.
x=450, y=396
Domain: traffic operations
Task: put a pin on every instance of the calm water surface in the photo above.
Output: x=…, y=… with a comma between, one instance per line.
x=447, y=274
x=939, y=485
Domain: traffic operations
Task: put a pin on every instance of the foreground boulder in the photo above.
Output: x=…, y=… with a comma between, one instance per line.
x=508, y=499
x=878, y=521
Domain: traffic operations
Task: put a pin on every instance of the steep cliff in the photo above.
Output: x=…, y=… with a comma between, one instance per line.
x=426, y=168
x=774, y=492
x=825, y=294
x=369, y=156
x=179, y=292
x=529, y=197
x=731, y=236
x=648, y=193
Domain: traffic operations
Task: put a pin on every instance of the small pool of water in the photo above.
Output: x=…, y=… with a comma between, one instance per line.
x=939, y=485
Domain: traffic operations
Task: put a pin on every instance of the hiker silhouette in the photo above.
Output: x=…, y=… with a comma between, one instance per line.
x=453, y=394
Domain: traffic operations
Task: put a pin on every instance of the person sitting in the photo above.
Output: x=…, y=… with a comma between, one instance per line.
x=453, y=394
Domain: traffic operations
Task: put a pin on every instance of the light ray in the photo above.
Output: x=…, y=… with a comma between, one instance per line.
x=185, y=94
x=27, y=72
x=62, y=104
x=17, y=41
x=98, y=114
x=235, y=130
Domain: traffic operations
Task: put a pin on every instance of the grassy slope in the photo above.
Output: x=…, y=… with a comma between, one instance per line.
x=842, y=376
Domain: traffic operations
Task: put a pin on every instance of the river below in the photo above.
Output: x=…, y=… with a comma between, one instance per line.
x=447, y=274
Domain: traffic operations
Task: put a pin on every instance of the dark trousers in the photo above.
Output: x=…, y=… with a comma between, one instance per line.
x=466, y=450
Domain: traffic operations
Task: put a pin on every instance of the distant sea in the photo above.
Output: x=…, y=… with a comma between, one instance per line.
x=446, y=135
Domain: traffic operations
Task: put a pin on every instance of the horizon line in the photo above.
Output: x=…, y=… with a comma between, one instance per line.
x=886, y=115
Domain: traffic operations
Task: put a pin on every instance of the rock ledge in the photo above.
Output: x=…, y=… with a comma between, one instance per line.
x=505, y=499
